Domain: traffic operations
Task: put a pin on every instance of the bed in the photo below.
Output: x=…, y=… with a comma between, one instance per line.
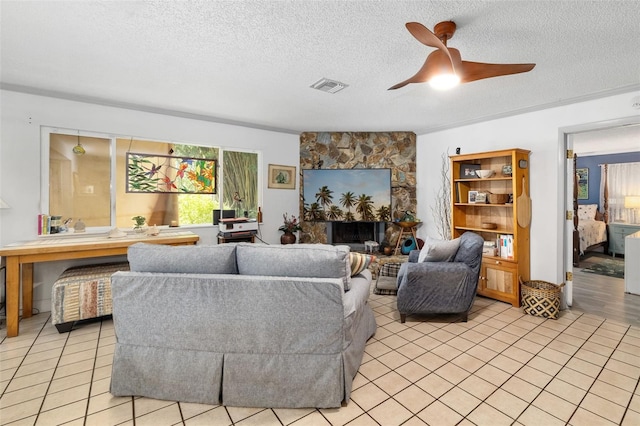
x=590, y=225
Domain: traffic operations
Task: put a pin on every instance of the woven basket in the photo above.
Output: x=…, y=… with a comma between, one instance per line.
x=541, y=298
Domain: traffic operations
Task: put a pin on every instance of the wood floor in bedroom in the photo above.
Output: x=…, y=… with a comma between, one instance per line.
x=603, y=296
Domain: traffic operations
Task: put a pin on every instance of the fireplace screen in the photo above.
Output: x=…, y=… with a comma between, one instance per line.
x=353, y=232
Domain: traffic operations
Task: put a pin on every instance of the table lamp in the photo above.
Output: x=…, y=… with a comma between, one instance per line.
x=632, y=202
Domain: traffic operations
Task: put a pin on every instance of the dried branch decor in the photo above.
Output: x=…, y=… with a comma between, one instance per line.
x=442, y=208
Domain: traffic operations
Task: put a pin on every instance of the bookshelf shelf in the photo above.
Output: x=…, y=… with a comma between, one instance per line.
x=483, y=230
x=499, y=274
x=484, y=205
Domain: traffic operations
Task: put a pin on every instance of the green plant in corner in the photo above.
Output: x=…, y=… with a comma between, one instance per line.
x=139, y=220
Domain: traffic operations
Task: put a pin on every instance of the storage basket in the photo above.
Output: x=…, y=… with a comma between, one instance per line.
x=541, y=298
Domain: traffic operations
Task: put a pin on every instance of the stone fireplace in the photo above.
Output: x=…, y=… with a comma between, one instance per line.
x=369, y=150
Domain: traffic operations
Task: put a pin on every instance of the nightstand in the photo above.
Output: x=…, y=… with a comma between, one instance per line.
x=617, y=232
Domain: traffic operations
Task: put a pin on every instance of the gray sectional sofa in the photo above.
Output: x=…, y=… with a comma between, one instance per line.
x=240, y=324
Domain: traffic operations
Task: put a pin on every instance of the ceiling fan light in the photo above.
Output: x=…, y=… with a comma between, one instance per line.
x=444, y=81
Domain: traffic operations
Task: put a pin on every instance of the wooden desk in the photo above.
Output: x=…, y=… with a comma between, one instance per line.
x=24, y=255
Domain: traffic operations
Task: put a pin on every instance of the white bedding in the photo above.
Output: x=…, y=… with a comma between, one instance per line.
x=591, y=232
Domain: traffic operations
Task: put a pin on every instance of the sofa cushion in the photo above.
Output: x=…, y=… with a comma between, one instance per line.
x=438, y=250
x=294, y=260
x=358, y=262
x=196, y=259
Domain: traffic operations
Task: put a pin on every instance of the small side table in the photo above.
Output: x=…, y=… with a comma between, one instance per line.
x=406, y=228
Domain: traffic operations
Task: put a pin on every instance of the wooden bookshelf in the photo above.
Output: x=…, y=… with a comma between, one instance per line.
x=499, y=275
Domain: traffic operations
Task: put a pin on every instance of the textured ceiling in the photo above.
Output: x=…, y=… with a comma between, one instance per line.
x=252, y=62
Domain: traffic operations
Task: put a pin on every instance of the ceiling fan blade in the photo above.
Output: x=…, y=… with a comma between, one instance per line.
x=424, y=35
x=399, y=85
x=420, y=77
x=472, y=71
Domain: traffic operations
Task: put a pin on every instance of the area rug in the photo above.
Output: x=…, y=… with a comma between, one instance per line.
x=610, y=267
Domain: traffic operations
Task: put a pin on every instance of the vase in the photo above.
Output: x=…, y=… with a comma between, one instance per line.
x=288, y=238
x=140, y=231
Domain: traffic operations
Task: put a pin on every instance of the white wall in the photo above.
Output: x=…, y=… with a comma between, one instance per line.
x=538, y=132
x=22, y=115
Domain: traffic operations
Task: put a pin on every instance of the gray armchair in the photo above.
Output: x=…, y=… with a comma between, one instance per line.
x=441, y=287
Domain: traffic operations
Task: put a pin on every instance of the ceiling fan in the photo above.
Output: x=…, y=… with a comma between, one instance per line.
x=444, y=67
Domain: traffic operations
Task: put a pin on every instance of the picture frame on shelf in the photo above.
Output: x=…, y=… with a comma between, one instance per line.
x=468, y=170
x=282, y=177
x=481, y=198
x=473, y=195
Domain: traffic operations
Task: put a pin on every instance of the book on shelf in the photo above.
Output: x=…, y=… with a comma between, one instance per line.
x=505, y=245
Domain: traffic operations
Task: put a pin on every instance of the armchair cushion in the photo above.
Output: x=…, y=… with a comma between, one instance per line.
x=438, y=250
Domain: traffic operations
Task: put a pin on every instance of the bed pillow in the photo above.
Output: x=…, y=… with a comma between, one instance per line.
x=587, y=211
x=438, y=250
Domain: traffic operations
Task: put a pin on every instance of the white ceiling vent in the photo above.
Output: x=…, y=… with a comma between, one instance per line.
x=329, y=86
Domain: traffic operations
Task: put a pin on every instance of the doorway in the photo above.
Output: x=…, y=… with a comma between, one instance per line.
x=596, y=294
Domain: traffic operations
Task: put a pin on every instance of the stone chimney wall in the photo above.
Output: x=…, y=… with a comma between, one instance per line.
x=371, y=150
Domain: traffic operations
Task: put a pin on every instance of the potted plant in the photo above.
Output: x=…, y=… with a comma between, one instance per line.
x=289, y=226
x=140, y=222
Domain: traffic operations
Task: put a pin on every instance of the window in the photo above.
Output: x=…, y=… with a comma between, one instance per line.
x=240, y=171
x=80, y=185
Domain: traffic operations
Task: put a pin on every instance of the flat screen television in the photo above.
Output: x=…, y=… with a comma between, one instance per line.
x=351, y=195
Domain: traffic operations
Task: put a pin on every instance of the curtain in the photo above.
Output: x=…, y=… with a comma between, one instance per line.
x=623, y=180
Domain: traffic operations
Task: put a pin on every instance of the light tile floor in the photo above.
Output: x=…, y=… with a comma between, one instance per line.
x=501, y=367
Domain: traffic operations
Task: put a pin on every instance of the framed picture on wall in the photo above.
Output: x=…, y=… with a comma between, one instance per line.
x=282, y=177
x=583, y=183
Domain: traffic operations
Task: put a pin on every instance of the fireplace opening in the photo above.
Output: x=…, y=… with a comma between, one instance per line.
x=354, y=234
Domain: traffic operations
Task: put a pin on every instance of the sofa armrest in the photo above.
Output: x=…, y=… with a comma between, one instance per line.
x=358, y=295
x=433, y=272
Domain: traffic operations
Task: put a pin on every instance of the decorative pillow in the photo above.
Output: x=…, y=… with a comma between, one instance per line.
x=196, y=259
x=359, y=262
x=587, y=211
x=438, y=250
